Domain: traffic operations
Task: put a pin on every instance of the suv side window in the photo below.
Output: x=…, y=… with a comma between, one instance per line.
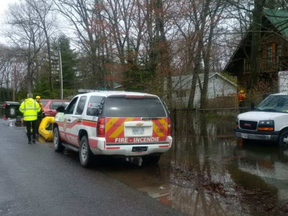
x=93, y=105
x=71, y=106
x=81, y=105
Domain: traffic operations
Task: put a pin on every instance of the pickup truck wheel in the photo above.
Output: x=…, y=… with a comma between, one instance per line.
x=58, y=147
x=151, y=159
x=283, y=139
x=85, y=154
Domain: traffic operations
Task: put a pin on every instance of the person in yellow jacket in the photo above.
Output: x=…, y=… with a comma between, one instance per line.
x=41, y=114
x=30, y=109
x=39, y=102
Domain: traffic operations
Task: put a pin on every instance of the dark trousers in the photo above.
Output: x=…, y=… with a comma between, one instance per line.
x=30, y=124
x=241, y=106
x=38, y=121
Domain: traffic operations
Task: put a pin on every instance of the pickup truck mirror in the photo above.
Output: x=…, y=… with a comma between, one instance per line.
x=60, y=109
x=252, y=106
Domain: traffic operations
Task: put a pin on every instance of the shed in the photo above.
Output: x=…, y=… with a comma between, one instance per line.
x=218, y=87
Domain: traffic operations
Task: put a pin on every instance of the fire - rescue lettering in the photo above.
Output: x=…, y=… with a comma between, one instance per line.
x=137, y=140
x=69, y=138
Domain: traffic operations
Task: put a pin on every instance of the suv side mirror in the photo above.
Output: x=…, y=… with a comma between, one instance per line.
x=252, y=106
x=60, y=109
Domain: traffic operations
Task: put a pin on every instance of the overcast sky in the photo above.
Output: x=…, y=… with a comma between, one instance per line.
x=63, y=26
x=3, y=7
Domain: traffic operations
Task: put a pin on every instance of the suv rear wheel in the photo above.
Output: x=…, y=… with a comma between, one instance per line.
x=85, y=154
x=151, y=159
x=58, y=147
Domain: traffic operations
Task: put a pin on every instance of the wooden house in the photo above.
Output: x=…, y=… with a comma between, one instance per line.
x=273, y=53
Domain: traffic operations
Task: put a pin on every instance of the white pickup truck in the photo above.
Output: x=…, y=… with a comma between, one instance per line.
x=268, y=121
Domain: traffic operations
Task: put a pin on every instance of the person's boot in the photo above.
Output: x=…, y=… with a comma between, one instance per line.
x=29, y=142
x=33, y=141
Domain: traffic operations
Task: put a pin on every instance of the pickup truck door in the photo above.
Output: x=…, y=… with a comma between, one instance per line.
x=70, y=123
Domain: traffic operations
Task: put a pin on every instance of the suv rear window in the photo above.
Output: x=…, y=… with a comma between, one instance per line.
x=134, y=107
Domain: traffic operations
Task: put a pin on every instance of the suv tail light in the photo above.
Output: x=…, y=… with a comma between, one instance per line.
x=101, y=127
x=4, y=105
x=169, y=127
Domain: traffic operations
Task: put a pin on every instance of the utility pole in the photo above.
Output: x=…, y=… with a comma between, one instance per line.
x=61, y=73
x=14, y=83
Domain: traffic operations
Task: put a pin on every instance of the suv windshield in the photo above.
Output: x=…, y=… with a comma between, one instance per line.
x=134, y=107
x=274, y=103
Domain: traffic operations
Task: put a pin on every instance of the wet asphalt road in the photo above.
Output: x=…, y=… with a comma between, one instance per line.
x=34, y=180
x=207, y=172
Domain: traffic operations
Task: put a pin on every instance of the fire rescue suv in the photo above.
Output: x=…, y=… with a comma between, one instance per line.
x=113, y=123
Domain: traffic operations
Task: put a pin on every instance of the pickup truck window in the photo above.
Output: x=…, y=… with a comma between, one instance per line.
x=55, y=104
x=44, y=103
x=134, y=107
x=71, y=106
x=274, y=103
x=93, y=105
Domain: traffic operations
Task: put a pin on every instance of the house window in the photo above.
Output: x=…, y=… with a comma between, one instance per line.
x=246, y=65
x=181, y=93
x=278, y=52
x=269, y=54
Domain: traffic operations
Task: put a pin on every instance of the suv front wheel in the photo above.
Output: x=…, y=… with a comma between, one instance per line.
x=85, y=154
x=283, y=139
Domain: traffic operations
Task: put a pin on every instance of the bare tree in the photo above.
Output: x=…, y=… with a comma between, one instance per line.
x=12, y=68
x=46, y=23
x=256, y=43
x=83, y=14
x=26, y=35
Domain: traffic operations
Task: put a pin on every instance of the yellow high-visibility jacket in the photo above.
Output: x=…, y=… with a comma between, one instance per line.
x=30, y=108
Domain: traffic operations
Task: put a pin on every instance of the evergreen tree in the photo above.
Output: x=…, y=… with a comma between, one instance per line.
x=68, y=63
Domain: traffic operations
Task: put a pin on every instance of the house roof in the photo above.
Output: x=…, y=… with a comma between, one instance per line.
x=184, y=81
x=279, y=18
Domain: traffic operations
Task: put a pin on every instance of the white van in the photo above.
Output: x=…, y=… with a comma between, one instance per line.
x=113, y=123
x=268, y=121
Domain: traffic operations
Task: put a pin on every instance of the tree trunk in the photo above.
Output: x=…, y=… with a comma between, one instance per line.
x=256, y=44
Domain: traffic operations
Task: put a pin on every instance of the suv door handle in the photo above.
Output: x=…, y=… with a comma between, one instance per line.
x=69, y=120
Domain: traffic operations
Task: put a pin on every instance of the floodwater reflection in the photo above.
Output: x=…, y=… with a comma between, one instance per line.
x=208, y=172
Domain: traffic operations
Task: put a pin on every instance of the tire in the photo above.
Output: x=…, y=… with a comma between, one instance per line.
x=85, y=154
x=58, y=147
x=151, y=159
x=283, y=139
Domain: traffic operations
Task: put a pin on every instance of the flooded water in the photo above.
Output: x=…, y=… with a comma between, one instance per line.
x=208, y=171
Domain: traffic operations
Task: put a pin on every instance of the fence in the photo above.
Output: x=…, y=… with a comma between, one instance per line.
x=200, y=121
x=223, y=102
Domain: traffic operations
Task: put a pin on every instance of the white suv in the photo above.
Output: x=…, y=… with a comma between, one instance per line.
x=113, y=123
